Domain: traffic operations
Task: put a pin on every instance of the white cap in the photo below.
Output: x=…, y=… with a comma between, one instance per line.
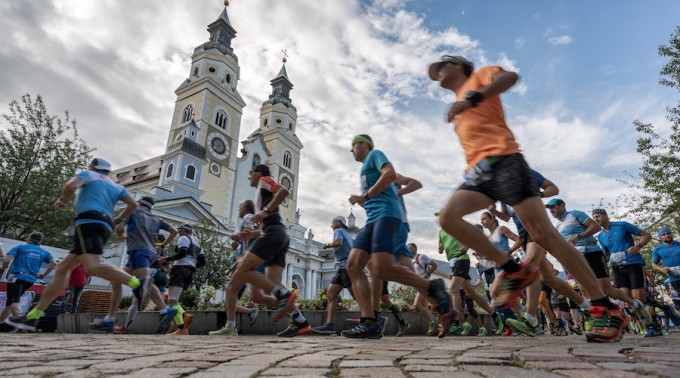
x=341, y=219
x=99, y=163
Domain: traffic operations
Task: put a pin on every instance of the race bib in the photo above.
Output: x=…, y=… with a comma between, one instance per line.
x=581, y=248
x=617, y=258
x=675, y=271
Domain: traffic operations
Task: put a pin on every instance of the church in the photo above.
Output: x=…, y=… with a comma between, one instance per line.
x=202, y=178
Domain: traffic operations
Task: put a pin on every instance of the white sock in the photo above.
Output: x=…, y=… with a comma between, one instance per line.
x=297, y=316
x=132, y=312
x=531, y=319
x=586, y=305
x=231, y=324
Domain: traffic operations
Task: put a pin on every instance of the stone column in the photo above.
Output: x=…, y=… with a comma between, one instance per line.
x=315, y=284
x=308, y=284
x=289, y=275
x=284, y=276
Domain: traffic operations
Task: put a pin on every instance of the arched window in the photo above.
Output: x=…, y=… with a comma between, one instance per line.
x=188, y=113
x=221, y=119
x=191, y=172
x=228, y=78
x=287, y=160
x=256, y=160
x=196, y=71
x=169, y=171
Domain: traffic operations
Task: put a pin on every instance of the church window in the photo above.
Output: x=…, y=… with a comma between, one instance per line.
x=290, y=126
x=191, y=172
x=196, y=71
x=221, y=119
x=287, y=160
x=168, y=172
x=188, y=113
x=265, y=122
x=211, y=69
x=228, y=78
x=256, y=160
x=278, y=120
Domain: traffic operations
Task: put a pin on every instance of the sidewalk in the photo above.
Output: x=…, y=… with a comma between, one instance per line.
x=68, y=355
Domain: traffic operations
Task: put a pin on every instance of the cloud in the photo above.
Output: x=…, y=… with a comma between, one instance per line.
x=561, y=40
x=520, y=42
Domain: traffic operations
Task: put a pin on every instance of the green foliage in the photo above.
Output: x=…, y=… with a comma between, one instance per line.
x=189, y=298
x=125, y=302
x=38, y=153
x=217, y=256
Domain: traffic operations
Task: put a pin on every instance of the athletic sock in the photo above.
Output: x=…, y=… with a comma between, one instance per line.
x=132, y=312
x=297, y=316
x=231, y=324
x=510, y=267
x=179, y=317
x=133, y=283
x=531, y=319
x=279, y=291
x=586, y=305
x=604, y=302
x=397, y=314
x=34, y=314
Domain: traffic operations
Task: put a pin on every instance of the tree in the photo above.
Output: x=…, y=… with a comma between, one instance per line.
x=38, y=153
x=217, y=256
x=657, y=201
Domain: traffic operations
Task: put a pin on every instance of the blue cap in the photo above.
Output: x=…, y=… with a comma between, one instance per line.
x=554, y=201
x=662, y=231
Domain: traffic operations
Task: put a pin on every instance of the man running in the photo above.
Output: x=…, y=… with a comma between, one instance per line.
x=142, y=233
x=376, y=241
x=424, y=267
x=96, y=198
x=28, y=259
x=497, y=171
x=342, y=244
x=668, y=253
x=578, y=229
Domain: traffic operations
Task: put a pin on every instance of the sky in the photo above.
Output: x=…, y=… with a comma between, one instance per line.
x=588, y=70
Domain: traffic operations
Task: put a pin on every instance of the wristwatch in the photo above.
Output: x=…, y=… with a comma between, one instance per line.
x=474, y=97
x=266, y=209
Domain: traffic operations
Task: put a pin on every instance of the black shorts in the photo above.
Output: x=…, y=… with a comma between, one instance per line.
x=525, y=239
x=629, y=276
x=181, y=276
x=90, y=238
x=385, y=290
x=342, y=278
x=510, y=182
x=15, y=290
x=562, y=306
x=598, y=263
x=461, y=269
x=490, y=275
x=272, y=246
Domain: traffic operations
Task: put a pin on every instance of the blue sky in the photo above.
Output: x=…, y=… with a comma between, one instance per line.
x=588, y=70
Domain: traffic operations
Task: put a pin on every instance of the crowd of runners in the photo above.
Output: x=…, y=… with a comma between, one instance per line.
x=524, y=295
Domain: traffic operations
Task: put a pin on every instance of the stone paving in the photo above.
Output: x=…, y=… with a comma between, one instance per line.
x=70, y=355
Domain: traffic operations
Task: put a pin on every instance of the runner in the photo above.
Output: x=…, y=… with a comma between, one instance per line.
x=578, y=229
x=28, y=259
x=142, y=232
x=376, y=241
x=342, y=244
x=424, y=267
x=96, y=198
x=497, y=171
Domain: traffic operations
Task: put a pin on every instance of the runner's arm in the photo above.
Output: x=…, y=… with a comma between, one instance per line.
x=645, y=237
x=48, y=270
x=68, y=190
x=593, y=228
x=660, y=268
x=549, y=189
x=502, y=215
x=512, y=236
x=408, y=184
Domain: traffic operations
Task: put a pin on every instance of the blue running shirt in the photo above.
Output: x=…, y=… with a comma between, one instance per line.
x=385, y=204
x=573, y=223
x=342, y=252
x=618, y=239
x=670, y=255
x=99, y=193
x=28, y=259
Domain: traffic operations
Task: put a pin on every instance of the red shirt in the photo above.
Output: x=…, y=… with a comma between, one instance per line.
x=78, y=276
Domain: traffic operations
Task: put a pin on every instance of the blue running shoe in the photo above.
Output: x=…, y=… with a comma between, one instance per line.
x=102, y=325
x=166, y=319
x=20, y=322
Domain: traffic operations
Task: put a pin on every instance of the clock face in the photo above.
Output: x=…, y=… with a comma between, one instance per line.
x=215, y=168
x=285, y=181
x=219, y=146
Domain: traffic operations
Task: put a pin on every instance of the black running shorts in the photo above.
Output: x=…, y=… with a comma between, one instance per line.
x=181, y=276
x=342, y=278
x=272, y=246
x=90, y=238
x=598, y=263
x=461, y=269
x=629, y=276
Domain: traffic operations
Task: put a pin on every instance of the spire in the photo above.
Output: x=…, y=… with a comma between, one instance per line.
x=221, y=33
x=281, y=85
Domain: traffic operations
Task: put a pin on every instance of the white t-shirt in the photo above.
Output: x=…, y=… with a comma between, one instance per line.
x=420, y=263
x=189, y=259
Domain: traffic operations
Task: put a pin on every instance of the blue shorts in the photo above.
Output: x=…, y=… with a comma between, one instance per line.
x=400, y=242
x=378, y=236
x=141, y=258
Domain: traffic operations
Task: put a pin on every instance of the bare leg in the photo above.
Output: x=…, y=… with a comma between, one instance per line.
x=362, y=290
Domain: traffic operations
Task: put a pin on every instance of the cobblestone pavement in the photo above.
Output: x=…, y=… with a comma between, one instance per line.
x=69, y=355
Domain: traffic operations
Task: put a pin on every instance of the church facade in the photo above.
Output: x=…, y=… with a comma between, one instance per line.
x=202, y=178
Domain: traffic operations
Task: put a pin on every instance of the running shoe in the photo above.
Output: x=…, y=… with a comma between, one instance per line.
x=327, y=329
x=641, y=313
x=187, y=318
x=511, y=285
x=465, y=329
x=454, y=329
x=667, y=332
x=403, y=329
x=499, y=320
x=524, y=327
x=180, y=332
x=120, y=330
x=224, y=331
x=507, y=332
x=295, y=329
x=433, y=328
x=482, y=331
x=166, y=319
x=445, y=321
x=441, y=297
x=20, y=322
x=102, y=325
x=653, y=332
x=252, y=315
x=671, y=313
x=364, y=331
x=285, y=306
x=575, y=329
x=608, y=325
x=140, y=291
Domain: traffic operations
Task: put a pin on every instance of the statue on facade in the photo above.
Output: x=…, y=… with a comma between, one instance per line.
x=310, y=235
x=297, y=216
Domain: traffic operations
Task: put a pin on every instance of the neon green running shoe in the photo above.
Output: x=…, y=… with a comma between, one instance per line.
x=482, y=331
x=224, y=331
x=465, y=329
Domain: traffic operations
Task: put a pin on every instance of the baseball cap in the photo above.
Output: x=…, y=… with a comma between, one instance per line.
x=147, y=201
x=436, y=66
x=554, y=201
x=101, y=164
x=341, y=219
x=262, y=169
x=663, y=230
x=599, y=212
